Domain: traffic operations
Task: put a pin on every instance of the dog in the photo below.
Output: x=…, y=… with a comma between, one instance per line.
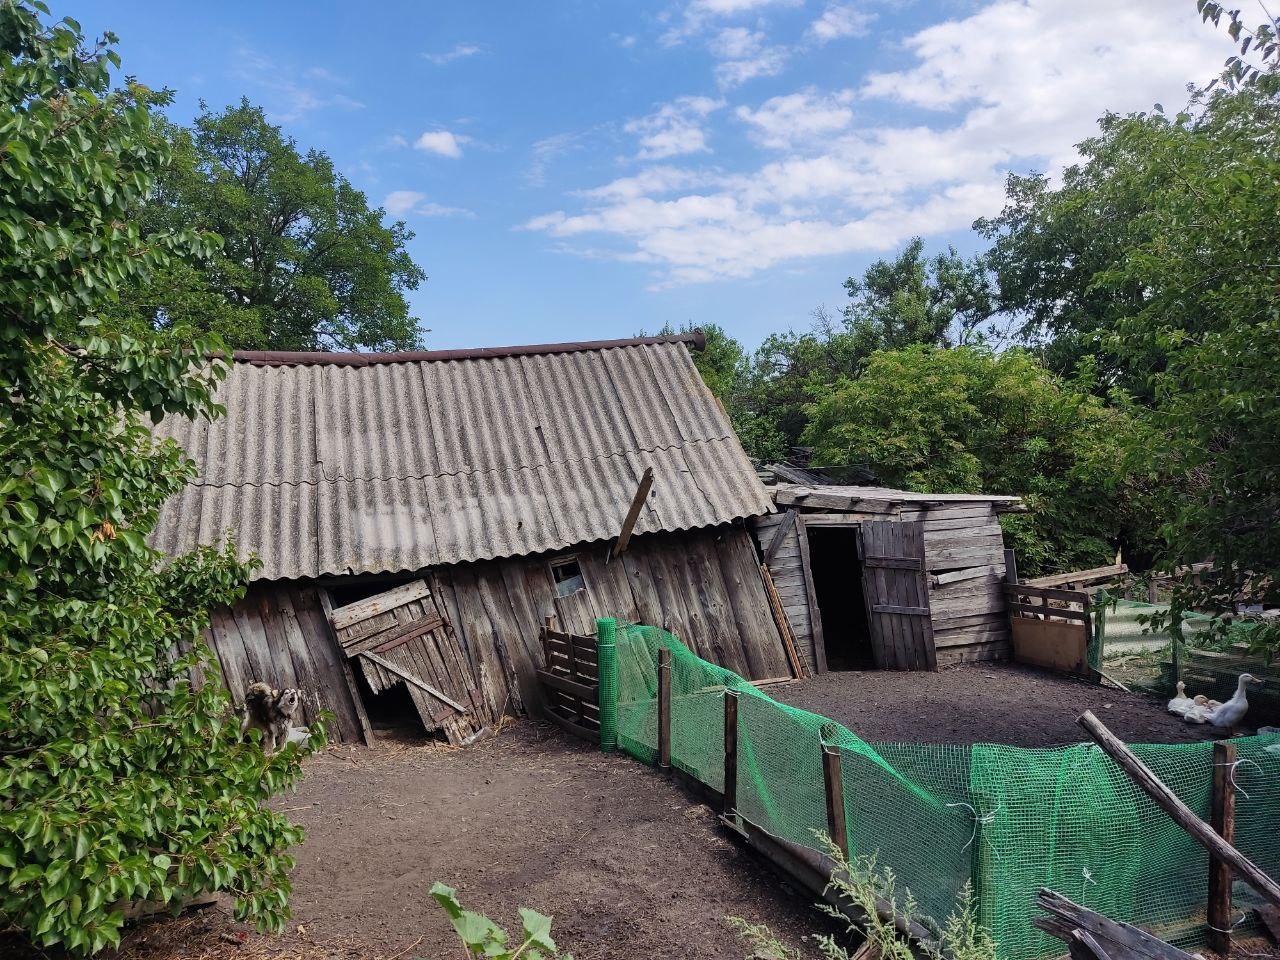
x=270, y=711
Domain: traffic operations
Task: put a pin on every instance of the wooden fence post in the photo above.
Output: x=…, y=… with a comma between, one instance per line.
x=1223, y=820
x=664, y=707
x=730, y=753
x=833, y=787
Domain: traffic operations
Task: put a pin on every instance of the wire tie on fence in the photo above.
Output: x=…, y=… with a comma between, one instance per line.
x=983, y=820
x=1231, y=929
x=1088, y=879
x=1232, y=775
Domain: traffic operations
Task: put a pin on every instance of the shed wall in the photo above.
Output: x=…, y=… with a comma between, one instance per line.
x=964, y=561
x=704, y=586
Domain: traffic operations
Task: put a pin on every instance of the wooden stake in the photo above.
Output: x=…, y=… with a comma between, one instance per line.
x=1183, y=815
x=664, y=707
x=730, y=753
x=833, y=786
x=1223, y=818
x=633, y=513
x=781, y=622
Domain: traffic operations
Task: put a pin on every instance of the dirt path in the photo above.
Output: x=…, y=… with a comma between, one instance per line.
x=629, y=866
x=982, y=703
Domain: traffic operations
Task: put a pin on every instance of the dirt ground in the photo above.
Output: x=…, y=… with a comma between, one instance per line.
x=627, y=863
x=982, y=703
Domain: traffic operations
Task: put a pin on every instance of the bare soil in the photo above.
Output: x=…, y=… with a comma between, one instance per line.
x=627, y=863
x=982, y=703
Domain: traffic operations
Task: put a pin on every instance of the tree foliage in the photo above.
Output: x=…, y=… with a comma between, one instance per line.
x=118, y=779
x=967, y=420
x=305, y=264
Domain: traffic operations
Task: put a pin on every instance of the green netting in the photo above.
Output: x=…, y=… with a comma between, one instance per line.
x=1008, y=820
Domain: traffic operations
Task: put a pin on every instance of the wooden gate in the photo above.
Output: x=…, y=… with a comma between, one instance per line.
x=897, y=594
x=400, y=637
x=1051, y=627
x=571, y=682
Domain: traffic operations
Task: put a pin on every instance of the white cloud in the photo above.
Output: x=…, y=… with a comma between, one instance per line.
x=781, y=121
x=1015, y=85
x=675, y=129
x=459, y=52
x=734, y=73
x=398, y=203
x=285, y=100
x=840, y=20
x=442, y=142
x=735, y=43
x=699, y=15
x=545, y=151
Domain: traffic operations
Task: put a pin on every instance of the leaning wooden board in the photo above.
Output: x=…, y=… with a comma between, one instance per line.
x=401, y=637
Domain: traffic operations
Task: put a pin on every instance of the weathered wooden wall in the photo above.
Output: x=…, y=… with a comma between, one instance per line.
x=702, y=585
x=789, y=568
x=964, y=560
x=279, y=635
x=964, y=557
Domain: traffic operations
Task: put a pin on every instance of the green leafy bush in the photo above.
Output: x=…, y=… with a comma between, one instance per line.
x=481, y=937
x=967, y=420
x=119, y=780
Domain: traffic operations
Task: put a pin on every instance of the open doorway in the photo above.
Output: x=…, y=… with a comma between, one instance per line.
x=837, y=584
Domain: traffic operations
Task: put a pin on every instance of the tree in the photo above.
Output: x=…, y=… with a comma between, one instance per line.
x=967, y=420
x=119, y=779
x=304, y=265
x=1189, y=288
x=907, y=300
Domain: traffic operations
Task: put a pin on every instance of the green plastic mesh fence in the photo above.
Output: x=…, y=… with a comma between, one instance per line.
x=1005, y=819
x=607, y=667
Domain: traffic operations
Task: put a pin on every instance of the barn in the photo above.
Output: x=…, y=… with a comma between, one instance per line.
x=418, y=516
x=872, y=577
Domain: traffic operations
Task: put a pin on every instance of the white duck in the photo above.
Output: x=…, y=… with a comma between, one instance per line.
x=1199, y=711
x=1229, y=714
x=1181, y=703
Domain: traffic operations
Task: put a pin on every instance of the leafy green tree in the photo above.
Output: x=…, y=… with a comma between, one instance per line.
x=943, y=300
x=119, y=780
x=305, y=263
x=1185, y=296
x=967, y=420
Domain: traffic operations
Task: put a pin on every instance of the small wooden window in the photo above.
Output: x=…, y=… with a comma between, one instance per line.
x=567, y=575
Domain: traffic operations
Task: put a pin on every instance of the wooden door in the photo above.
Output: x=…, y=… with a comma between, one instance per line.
x=401, y=637
x=897, y=594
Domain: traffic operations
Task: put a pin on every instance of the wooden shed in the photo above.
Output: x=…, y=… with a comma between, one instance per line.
x=419, y=515
x=872, y=577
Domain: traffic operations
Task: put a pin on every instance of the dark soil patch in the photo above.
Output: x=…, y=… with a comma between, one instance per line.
x=982, y=703
x=627, y=863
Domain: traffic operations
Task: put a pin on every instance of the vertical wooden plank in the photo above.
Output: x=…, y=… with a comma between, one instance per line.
x=1010, y=566
x=348, y=675
x=815, y=615
x=664, y=707
x=1223, y=820
x=730, y=753
x=833, y=788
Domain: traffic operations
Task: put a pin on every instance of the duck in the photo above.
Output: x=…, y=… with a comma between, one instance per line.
x=1197, y=713
x=1181, y=703
x=1228, y=715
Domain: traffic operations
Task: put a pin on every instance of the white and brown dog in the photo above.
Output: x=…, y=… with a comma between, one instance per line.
x=270, y=711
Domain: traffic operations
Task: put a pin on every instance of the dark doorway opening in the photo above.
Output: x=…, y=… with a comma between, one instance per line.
x=837, y=583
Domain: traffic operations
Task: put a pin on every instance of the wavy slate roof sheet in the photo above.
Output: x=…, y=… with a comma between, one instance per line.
x=372, y=463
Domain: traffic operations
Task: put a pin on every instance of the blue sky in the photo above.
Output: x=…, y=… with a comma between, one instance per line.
x=581, y=170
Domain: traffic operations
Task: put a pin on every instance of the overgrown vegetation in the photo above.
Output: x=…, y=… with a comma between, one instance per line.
x=863, y=889
x=481, y=937
x=119, y=781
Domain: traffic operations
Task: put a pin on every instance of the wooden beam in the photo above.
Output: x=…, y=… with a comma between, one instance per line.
x=664, y=707
x=811, y=595
x=1118, y=939
x=633, y=512
x=1096, y=574
x=348, y=675
x=353, y=613
x=782, y=623
x=730, y=792
x=1081, y=945
x=404, y=675
x=1183, y=815
x=833, y=788
x=1223, y=819
x=784, y=528
x=582, y=691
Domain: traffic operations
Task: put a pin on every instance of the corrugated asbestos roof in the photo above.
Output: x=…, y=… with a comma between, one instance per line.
x=328, y=467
